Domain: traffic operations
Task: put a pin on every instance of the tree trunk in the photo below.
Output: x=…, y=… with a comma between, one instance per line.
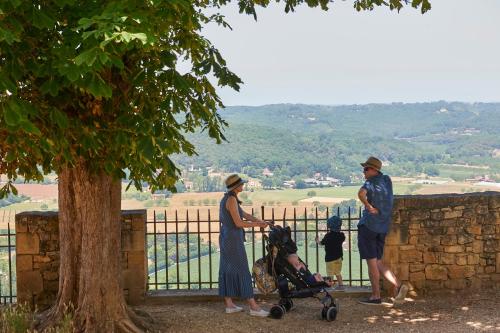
x=90, y=247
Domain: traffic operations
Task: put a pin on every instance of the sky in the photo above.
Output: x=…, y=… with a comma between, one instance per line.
x=342, y=56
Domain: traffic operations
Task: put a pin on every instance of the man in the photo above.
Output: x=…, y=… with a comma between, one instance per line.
x=377, y=197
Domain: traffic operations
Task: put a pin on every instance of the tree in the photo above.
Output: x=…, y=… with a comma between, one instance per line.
x=89, y=89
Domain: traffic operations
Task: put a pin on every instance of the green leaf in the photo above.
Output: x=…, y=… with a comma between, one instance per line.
x=29, y=127
x=41, y=20
x=50, y=87
x=59, y=118
x=99, y=88
x=12, y=114
x=146, y=148
x=87, y=57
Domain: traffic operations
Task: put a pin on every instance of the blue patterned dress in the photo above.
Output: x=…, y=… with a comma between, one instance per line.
x=234, y=276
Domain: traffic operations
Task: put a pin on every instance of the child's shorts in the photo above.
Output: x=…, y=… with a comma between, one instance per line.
x=334, y=267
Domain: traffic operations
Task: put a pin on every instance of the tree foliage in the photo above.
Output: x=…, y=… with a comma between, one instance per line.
x=100, y=81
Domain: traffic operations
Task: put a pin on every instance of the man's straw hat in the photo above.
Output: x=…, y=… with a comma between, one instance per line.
x=372, y=162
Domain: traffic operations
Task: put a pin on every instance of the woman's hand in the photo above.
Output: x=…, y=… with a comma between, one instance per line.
x=262, y=224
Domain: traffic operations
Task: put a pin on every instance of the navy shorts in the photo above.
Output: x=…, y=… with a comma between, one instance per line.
x=370, y=243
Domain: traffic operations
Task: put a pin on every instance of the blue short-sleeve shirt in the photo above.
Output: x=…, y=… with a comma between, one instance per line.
x=380, y=196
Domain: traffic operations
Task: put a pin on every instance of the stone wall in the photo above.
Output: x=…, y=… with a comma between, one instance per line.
x=446, y=242
x=37, y=257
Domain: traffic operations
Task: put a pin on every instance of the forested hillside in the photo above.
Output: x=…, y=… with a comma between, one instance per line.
x=299, y=140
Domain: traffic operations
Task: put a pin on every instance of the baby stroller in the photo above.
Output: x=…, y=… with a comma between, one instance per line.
x=290, y=282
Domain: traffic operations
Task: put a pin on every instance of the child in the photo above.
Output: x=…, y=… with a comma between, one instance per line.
x=308, y=277
x=333, y=250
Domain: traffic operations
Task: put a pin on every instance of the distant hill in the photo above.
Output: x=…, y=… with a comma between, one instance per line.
x=296, y=140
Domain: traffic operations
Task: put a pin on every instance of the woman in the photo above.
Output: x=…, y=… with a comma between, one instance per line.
x=234, y=276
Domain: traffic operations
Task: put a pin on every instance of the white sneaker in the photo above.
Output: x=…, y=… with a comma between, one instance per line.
x=260, y=313
x=400, y=297
x=234, y=309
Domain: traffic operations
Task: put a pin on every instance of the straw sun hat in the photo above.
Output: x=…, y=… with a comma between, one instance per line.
x=233, y=182
x=372, y=162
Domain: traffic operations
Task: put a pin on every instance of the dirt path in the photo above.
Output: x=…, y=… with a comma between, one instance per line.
x=452, y=313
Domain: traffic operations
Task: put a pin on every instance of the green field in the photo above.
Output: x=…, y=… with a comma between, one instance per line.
x=310, y=259
x=290, y=195
x=461, y=172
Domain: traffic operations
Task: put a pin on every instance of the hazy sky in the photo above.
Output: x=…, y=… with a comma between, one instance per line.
x=345, y=57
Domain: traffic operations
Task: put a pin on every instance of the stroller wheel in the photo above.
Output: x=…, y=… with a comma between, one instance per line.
x=287, y=303
x=277, y=311
x=331, y=313
x=323, y=312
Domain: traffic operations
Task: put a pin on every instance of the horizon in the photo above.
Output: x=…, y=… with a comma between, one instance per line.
x=362, y=104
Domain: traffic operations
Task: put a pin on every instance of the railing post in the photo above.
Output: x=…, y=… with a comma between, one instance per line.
x=188, y=256
x=199, y=252
x=317, y=247
x=210, y=250
x=155, y=249
x=9, y=249
x=166, y=249
x=262, y=234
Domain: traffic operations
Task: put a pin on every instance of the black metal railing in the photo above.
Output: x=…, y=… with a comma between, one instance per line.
x=7, y=263
x=183, y=252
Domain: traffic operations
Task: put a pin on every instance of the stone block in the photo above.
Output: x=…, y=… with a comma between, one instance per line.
x=413, y=256
x=417, y=276
x=461, y=259
x=133, y=240
x=434, y=284
x=429, y=240
x=27, y=243
x=465, y=239
x=482, y=209
x=21, y=225
x=30, y=281
x=139, y=224
x=50, y=276
x=469, y=271
x=456, y=284
x=416, y=268
x=449, y=240
x=454, y=249
x=51, y=286
x=489, y=229
x=456, y=272
x=437, y=216
x=391, y=254
x=136, y=260
x=397, y=235
x=490, y=269
x=430, y=258
x=447, y=259
x=24, y=263
x=131, y=279
x=43, y=259
x=403, y=272
x=477, y=246
x=472, y=259
x=419, y=215
x=452, y=214
x=136, y=296
x=498, y=262
x=436, y=272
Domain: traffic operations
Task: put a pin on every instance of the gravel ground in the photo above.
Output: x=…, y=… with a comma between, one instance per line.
x=449, y=313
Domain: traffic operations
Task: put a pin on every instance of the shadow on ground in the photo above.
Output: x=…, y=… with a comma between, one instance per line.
x=449, y=313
